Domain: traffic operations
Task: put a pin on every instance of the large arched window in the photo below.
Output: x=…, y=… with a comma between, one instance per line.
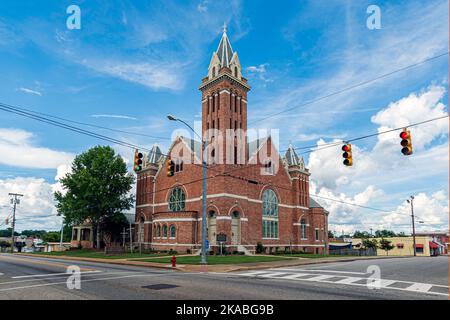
x=269, y=214
x=177, y=200
x=303, y=232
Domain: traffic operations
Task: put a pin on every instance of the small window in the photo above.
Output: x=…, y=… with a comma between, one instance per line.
x=172, y=231
x=164, y=231
x=236, y=72
x=317, y=235
x=178, y=166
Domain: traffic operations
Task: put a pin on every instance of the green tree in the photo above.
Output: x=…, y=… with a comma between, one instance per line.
x=7, y=233
x=386, y=245
x=97, y=189
x=361, y=234
x=384, y=233
x=370, y=243
x=52, y=236
x=330, y=234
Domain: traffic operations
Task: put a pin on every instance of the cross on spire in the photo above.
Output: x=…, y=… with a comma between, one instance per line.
x=224, y=27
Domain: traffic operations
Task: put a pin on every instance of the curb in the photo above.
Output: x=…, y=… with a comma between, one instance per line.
x=209, y=268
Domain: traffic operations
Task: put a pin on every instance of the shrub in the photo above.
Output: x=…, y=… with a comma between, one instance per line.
x=172, y=251
x=259, y=247
x=188, y=251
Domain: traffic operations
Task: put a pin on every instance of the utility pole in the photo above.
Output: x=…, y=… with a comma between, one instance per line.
x=15, y=201
x=62, y=233
x=413, y=225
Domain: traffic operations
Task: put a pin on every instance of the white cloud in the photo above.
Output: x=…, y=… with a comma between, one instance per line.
x=432, y=210
x=36, y=209
x=203, y=6
x=116, y=116
x=384, y=166
x=17, y=149
x=152, y=75
x=29, y=91
x=412, y=109
x=326, y=164
x=259, y=69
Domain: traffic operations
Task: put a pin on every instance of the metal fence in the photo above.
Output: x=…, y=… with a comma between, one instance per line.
x=354, y=252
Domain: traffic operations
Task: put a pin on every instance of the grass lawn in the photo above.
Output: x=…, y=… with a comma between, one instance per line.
x=217, y=259
x=89, y=253
x=306, y=255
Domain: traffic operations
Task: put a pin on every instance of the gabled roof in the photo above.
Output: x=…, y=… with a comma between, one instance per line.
x=224, y=51
x=314, y=204
x=194, y=145
x=154, y=155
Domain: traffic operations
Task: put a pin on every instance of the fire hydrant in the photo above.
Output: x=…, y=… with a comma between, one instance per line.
x=174, y=261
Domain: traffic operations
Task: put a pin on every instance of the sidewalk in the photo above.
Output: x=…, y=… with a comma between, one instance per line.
x=217, y=267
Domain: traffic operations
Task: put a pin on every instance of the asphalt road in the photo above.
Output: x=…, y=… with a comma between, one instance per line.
x=24, y=277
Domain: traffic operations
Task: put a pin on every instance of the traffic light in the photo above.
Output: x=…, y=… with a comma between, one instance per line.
x=348, y=160
x=138, y=161
x=170, y=167
x=405, y=135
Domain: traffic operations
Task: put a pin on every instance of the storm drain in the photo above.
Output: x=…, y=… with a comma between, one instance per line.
x=160, y=286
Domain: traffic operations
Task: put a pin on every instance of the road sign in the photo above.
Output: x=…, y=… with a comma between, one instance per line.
x=207, y=244
x=221, y=237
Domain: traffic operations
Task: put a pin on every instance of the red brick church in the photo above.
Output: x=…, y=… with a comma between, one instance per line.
x=253, y=194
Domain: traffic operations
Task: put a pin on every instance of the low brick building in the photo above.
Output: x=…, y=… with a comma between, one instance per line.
x=253, y=194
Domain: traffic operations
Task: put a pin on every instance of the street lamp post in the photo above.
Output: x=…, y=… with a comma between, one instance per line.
x=203, y=254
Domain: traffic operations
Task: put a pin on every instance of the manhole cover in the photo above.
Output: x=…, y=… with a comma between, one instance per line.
x=160, y=286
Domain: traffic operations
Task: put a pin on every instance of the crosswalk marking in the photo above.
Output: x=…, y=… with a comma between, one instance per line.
x=296, y=275
x=346, y=280
x=349, y=280
x=421, y=287
x=319, y=278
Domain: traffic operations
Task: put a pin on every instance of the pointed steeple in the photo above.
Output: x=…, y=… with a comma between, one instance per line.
x=154, y=155
x=292, y=158
x=224, y=50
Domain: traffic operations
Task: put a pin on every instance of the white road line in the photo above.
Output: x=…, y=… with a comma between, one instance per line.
x=58, y=277
x=420, y=287
x=52, y=274
x=295, y=276
x=83, y=281
x=349, y=280
x=270, y=275
x=319, y=278
x=383, y=283
x=251, y=274
x=335, y=271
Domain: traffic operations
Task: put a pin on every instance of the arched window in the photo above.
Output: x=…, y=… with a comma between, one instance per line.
x=303, y=232
x=235, y=72
x=213, y=72
x=164, y=231
x=269, y=214
x=177, y=200
x=158, y=231
x=172, y=231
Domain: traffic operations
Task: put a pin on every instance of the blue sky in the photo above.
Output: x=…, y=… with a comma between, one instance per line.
x=131, y=64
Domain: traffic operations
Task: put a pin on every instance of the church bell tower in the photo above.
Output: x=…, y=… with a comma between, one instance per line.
x=224, y=101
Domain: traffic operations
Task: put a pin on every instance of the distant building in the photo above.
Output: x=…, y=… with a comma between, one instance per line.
x=403, y=246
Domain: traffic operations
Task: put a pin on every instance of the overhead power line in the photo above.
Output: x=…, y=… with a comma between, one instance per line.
x=360, y=84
